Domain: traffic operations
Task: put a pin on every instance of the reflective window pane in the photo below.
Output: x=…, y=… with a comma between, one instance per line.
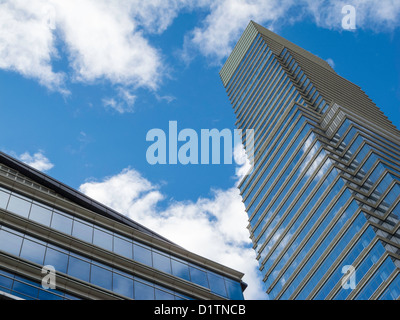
x=5, y=281
x=199, y=277
x=40, y=214
x=162, y=295
x=217, y=284
x=234, y=290
x=82, y=231
x=101, y=277
x=79, y=269
x=123, y=285
x=102, y=239
x=10, y=243
x=142, y=255
x=161, y=262
x=19, y=206
x=57, y=259
x=180, y=269
x=47, y=295
x=123, y=247
x=33, y=251
x=143, y=291
x=61, y=223
x=25, y=289
x=4, y=196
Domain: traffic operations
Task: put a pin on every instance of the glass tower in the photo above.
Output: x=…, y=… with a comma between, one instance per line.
x=323, y=196
x=58, y=244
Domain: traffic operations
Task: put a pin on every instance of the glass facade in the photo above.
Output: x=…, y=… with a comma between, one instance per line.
x=324, y=192
x=81, y=250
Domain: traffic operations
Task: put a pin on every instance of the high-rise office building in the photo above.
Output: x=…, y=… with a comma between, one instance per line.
x=323, y=196
x=58, y=244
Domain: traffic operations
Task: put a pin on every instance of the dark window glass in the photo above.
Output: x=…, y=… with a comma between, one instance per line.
x=47, y=295
x=142, y=255
x=33, y=251
x=123, y=285
x=5, y=282
x=79, y=268
x=143, y=291
x=199, y=277
x=123, y=247
x=25, y=289
x=19, y=206
x=161, y=262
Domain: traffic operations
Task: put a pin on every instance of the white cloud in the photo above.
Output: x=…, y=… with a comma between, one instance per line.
x=123, y=102
x=38, y=161
x=27, y=43
x=108, y=40
x=213, y=227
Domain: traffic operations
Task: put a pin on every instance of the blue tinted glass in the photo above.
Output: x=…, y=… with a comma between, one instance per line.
x=40, y=214
x=102, y=239
x=143, y=291
x=217, y=284
x=61, y=223
x=33, y=251
x=180, y=269
x=79, y=269
x=47, y=295
x=123, y=285
x=19, y=206
x=234, y=290
x=10, y=243
x=161, y=262
x=101, y=277
x=123, y=247
x=162, y=295
x=57, y=259
x=5, y=282
x=142, y=255
x=25, y=289
x=393, y=290
x=82, y=231
x=199, y=277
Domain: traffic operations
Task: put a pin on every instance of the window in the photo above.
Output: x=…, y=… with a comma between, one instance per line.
x=161, y=262
x=123, y=247
x=143, y=291
x=142, y=255
x=19, y=206
x=61, y=223
x=82, y=231
x=123, y=285
x=40, y=214
x=102, y=239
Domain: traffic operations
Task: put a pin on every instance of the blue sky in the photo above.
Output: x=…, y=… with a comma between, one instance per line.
x=82, y=82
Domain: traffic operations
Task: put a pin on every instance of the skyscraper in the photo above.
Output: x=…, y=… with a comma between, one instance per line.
x=323, y=196
x=58, y=244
